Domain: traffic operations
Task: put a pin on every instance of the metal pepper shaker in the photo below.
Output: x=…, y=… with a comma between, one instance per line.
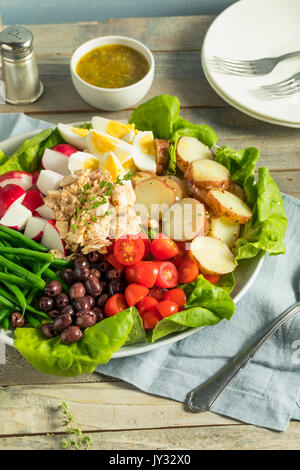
x=19, y=69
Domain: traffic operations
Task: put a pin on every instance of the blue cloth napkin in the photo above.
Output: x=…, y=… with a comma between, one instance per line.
x=267, y=391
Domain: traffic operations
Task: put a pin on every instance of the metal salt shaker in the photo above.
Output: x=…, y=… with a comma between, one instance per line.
x=20, y=72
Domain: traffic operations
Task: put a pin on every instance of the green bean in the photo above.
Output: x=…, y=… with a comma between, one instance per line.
x=5, y=301
x=5, y=323
x=61, y=263
x=42, y=269
x=19, y=281
x=4, y=312
x=31, y=296
x=38, y=313
x=18, y=294
x=15, y=235
x=29, y=254
x=20, y=271
x=33, y=321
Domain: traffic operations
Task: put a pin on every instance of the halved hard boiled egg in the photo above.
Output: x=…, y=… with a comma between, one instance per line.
x=100, y=144
x=120, y=130
x=73, y=135
x=112, y=164
x=144, y=151
x=82, y=161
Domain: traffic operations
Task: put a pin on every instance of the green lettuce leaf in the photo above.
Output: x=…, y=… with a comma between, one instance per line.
x=137, y=333
x=227, y=282
x=28, y=156
x=241, y=163
x=3, y=158
x=207, y=305
x=96, y=347
x=266, y=230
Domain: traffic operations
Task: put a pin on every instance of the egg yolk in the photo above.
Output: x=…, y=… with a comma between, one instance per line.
x=118, y=129
x=91, y=164
x=79, y=131
x=102, y=144
x=112, y=165
x=146, y=144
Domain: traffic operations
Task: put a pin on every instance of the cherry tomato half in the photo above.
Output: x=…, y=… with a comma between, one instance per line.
x=129, y=250
x=167, y=308
x=114, y=305
x=167, y=275
x=134, y=293
x=143, y=272
x=157, y=293
x=163, y=248
x=188, y=270
x=212, y=279
x=150, y=320
x=176, y=295
x=147, y=304
x=114, y=262
x=147, y=243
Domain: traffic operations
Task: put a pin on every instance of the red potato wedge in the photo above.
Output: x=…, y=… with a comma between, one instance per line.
x=198, y=193
x=224, y=203
x=190, y=149
x=224, y=229
x=153, y=198
x=141, y=176
x=235, y=188
x=174, y=185
x=162, y=155
x=212, y=255
x=207, y=174
x=185, y=220
x=181, y=183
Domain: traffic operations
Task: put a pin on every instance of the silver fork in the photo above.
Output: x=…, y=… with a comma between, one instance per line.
x=202, y=398
x=286, y=87
x=249, y=67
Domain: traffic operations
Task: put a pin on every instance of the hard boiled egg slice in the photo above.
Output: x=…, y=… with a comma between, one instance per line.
x=82, y=161
x=144, y=151
x=112, y=164
x=100, y=144
x=73, y=135
x=116, y=129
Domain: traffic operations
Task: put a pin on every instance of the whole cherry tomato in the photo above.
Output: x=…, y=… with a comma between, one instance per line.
x=176, y=295
x=163, y=248
x=212, y=279
x=147, y=304
x=167, y=308
x=150, y=320
x=188, y=270
x=114, y=305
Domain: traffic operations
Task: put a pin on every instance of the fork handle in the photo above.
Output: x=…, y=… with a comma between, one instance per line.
x=203, y=397
x=288, y=55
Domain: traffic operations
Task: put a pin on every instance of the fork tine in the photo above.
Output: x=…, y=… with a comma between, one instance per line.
x=281, y=84
x=290, y=86
x=283, y=93
x=233, y=62
x=234, y=66
x=233, y=70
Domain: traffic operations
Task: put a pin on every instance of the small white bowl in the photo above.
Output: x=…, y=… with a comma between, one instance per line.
x=112, y=99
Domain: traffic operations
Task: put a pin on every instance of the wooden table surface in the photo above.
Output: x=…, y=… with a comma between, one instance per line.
x=117, y=415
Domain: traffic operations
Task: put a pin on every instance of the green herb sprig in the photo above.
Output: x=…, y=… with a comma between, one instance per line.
x=79, y=441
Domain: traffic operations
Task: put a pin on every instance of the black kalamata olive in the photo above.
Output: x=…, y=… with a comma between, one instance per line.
x=62, y=322
x=104, y=266
x=81, y=262
x=54, y=313
x=115, y=286
x=82, y=304
x=91, y=300
x=101, y=300
x=53, y=288
x=16, y=319
x=99, y=314
x=96, y=273
x=103, y=285
x=46, y=304
x=86, y=319
x=67, y=276
x=95, y=257
x=93, y=286
x=62, y=300
x=47, y=330
x=81, y=274
x=71, y=335
x=67, y=309
x=113, y=274
x=77, y=290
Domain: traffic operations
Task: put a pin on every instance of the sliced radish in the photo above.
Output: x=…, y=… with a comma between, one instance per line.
x=212, y=255
x=65, y=148
x=33, y=200
x=56, y=161
x=51, y=238
x=16, y=177
x=9, y=195
x=45, y=212
x=48, y=181
x=35, y=177
x=16, y=217
x=35, y=228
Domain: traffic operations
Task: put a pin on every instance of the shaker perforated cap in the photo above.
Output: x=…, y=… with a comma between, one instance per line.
x=16, y=41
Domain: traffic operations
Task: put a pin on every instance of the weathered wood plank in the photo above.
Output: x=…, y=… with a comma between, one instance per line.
x=241, y=437
x=186, y=80
x=168, y=33
x=98, y=407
